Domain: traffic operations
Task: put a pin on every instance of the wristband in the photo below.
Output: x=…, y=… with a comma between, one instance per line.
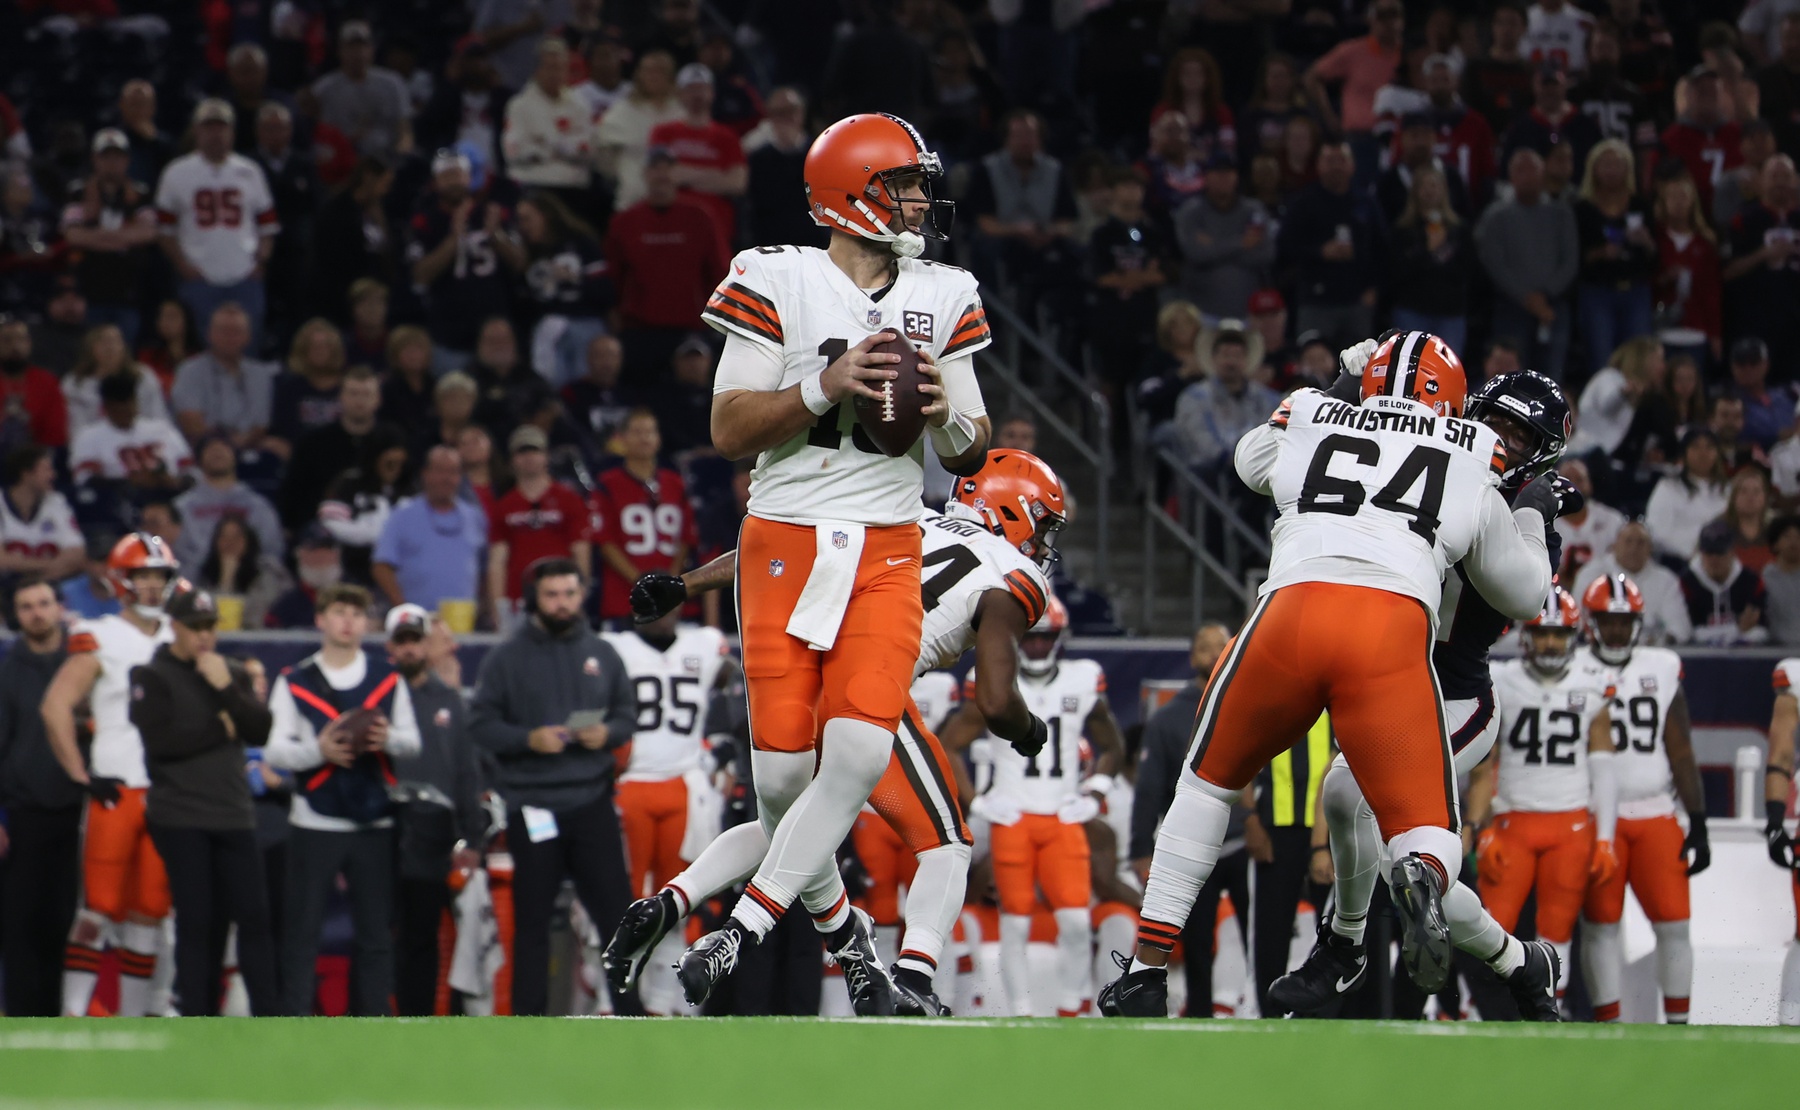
x=954, y=437
x=1098, y=784
x=812, y=394
x=1321, y=848
x=1771, y=769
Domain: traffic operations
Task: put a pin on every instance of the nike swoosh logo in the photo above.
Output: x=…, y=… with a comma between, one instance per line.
x=738, y=266
x=1345, y=984
x=1578, y=828
x=1127, y=992
x=897, y=560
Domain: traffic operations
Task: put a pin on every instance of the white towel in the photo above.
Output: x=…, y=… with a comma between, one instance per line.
x=820, y=609
x=477, y=957
x=705, y=813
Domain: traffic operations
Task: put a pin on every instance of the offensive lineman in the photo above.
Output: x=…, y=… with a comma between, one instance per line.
x=126, y=891
x=1649, y=713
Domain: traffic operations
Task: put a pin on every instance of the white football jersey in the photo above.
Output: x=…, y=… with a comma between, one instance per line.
x=1557, y=37
x=118, y=750
x=51, y=528
x=936, y=694
x=673, y=688
x=1648, y=683
x=959, y=562
x=1385, y=494
x=1543, y=741
x=795, y=301
x=1063, y=698
x=104, y=450
x=217, y=212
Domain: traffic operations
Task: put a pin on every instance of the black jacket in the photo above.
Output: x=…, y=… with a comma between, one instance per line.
x=446, y=757
x=194, y=741
x=29, y=773
x=1161, y=754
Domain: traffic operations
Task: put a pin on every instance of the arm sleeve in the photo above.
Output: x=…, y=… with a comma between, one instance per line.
x=961, y=388
x=1510, y=562
x=250, y=717
x=404, y=740
x=151, y=706
x=1255, y=458
x=488, y=723
x=291, y=746
x=1603, y=793
x=747, y=364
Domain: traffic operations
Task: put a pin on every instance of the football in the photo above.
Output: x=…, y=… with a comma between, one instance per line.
x=358, y=724
x=897, y=420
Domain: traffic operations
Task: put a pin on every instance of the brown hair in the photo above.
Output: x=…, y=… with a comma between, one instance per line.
x=341, y=593
x=1212, y=99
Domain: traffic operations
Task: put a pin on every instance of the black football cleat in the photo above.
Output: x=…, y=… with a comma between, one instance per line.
x=1136, y=994
x=1424, y=931
x=914, y=997
x=1335, y=969
x=709, y=960
x=646, y=922
x=1533, y=984
x=871, y=989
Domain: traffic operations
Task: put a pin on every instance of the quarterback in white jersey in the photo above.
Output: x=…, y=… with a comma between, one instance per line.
x=125, y=890
x=217, y=215
x=38, y=533
x=1654, y=752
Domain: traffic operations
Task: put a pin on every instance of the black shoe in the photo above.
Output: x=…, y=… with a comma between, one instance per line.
x=709, y=960
x=1424, y=932
x=913, y=996
x=646, y=922
x=1136, y=994
x=1533, y=984
x=1335, y=969
x=871, y=990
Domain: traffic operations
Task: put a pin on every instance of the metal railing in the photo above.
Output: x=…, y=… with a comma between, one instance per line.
x=1202, y=509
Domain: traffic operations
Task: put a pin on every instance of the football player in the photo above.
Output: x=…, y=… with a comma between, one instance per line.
x=1039, y=805
x=1533, y=420
x=126, y=891
x=1655, y=757
x=986, y=586
x=1376, y=501
x=1778, y=783
x=829, y=575
x=1552, y=783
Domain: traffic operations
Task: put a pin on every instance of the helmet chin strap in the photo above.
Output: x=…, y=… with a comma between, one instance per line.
x=906, y=244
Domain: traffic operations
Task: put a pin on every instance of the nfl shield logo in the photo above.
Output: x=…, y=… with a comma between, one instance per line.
x=690, y=664
x=591, y=667
x=1648, y=684
x=839, y=540
x=1577, y=701
x=874, y=317
x=776, y=567
x=1070, y=705
x=441, y=718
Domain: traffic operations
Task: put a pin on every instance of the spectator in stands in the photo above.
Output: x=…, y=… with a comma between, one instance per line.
x=342, y=819
x=172, y=340
x=1724, y=597
x=1433, y=261
x=1618, y=252
x=151, y=149
x=1686, y=393
x=56, y=336
x=1726, y=420
x=1743, y=185
x=683, y=405
x=878, y=45
x=1125, y=265
x=455, y=247
x=38, y=535
x=624, y=133
x=1331, y=240
x=1704, y=138
x=38, y=887
x=407, y=389
x=218, y=495
x=248, y=91
x=966, y=100
x=1779, y=83
x=221, y=388
x=510, y=394
x=1768, y=411
x=368, y=103
x=1268, y=323
x=1531, y=250
x=485, y=478
x=646, y=521
x=1415, y=145
x=709, y=160
x=366, y=339
x=1684, y=502
x=306, y=392
x=1498, y=83
x=1747, y=514
x=511, y=31
x=1360, y=66
x=293, y=176
x=1022, y=205
x=1763, y=276
x=1192, y=86
x=34, y=410
x=549, y=669
x=1687, y=281
x=316, y=565
x=236, y=565
x=1552, y=121
x=219, y=221
x=665, y=257
x=1462, y=136
x=144, y=454
x=549, y=139
x=775, y=195
x=351, y=239
x=430, y=549
x=104, y=353
x=1017, y=432
x=595, y=402
x=1174, y=169
x=539, y=518
x=1227, y=244
x=109, y=219
x=329, y=450
x=1781, y=581
x=567, y=290
x=358, y=502
x=1174, y=365
x=1665, y=606
x=1214, y=412
x=1590, y=530
x=1277, y=98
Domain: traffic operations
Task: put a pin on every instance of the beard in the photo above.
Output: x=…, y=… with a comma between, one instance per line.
x=412, y=668
x=558, y=626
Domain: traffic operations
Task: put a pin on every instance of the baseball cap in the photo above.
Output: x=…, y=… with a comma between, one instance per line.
x=658, y=154
x=693, y=74
x=408, y=618
x=1311, y=338
x=449, y=158
x=110, y=138
x=316, y=538
x=1434, y=61
x=1748, y=350
x=694, y=345
x=1715, y=538
x=1219, y=160
x=214, y=110
x=194, y=608
x=1230, y=331
x=527, y=437
x=355, y=30
x=1265, y=301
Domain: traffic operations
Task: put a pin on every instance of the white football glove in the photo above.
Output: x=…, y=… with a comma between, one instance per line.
x=1352, y=359
x=994, y=810
x=1079, y=810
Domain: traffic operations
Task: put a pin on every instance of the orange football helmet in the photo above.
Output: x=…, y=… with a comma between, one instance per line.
x=1419, y=366
x=1017, y=497
x=1615, y=616
x=1549, y=637
x=1041, y=647
x=135, y=552
x=850, y=173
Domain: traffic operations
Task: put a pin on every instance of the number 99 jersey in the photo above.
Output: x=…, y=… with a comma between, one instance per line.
x=673, y=688
x=1648, y=683
x=1544, y=727
x=802, y=312
x=959, y=562
x=1064, y=698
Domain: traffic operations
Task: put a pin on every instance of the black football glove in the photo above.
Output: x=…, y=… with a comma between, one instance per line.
x=1540, y=494
x=1781, y=845
x=1696, y=848
x=656, y=595
x=1570, y=500
x=104, y=790
x=1035, y=741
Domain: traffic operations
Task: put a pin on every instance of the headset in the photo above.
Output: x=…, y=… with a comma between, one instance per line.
x=550, y=566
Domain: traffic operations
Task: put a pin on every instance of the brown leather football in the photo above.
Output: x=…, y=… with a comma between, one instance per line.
x=897, y=420
x=358, y=725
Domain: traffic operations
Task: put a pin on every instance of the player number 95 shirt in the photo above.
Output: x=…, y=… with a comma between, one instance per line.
x=1064, y=699
x=1544, y=734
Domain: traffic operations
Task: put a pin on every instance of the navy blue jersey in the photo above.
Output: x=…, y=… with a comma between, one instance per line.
x=1470, y=630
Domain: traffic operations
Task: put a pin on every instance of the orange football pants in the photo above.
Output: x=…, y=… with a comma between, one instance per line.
x=890, y=864
x=1040, y=852
x=1649, y=851
x=794, y=690
x=1549, y=851
x=121, y=873
x=653, y=817
x=1364, y=655
x=916, y=795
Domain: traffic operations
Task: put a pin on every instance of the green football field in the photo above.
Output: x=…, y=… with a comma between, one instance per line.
x=746, y=1064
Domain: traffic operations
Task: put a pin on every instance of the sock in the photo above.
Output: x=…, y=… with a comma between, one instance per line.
x=1603, y=965
x=966, y=996
x=1187, y=848
x=1355, y=851
x=1474, y=930
x=1510, y=958
x=162, y=979
x=1015, y=962
x=137, y=963
x=855, y=754
x=1789, y=1013
x=1674, y=968
x=81, y=961
x=675, y=903
x=933, y=901
x=828, y=902
x=1563, y=948
x=1114, y=935
x=731, y=858
x=1074, y=959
